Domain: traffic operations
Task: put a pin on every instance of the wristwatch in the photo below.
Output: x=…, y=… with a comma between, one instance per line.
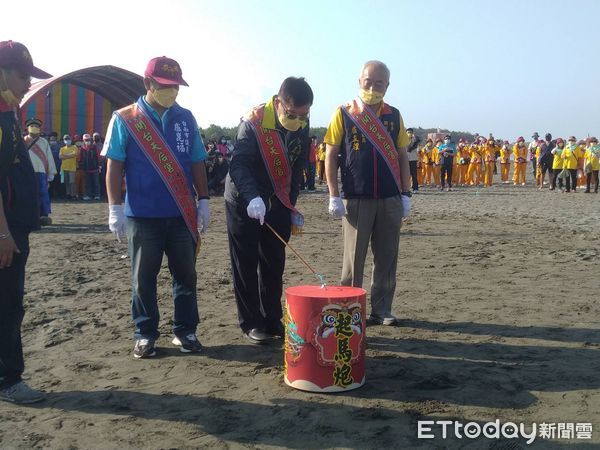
x=406, y=194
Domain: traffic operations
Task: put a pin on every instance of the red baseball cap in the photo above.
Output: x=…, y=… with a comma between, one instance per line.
x=14, y=55
x=165, y=71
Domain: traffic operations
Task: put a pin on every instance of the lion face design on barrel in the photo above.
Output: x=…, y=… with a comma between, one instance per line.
x=337, y=333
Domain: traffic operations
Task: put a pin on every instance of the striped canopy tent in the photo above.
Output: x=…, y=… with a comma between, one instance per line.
x=81, y=101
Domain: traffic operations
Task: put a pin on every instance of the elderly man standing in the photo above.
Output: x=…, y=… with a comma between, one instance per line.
x=370, y=136
x=157, y=144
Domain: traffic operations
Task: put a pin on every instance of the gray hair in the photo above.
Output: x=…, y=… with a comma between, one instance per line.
x=377, y=64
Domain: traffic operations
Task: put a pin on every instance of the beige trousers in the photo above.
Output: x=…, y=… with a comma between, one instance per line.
x=377, y=221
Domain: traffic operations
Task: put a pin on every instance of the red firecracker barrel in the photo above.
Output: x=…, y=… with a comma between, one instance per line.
x=325, y=338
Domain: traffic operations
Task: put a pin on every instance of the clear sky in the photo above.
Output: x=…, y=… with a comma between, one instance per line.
x=508, y=67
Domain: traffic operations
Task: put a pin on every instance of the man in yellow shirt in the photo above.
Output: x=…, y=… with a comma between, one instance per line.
x=68, y=155
x=375, y=184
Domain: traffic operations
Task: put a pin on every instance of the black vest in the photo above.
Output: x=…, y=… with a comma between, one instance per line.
x=365, y=173
x=18, y=182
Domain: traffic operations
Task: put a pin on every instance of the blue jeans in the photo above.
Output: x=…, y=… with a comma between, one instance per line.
x=149, y=239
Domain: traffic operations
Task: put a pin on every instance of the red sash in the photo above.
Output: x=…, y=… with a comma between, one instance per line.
x=370, y=126
x=160, y=155
x=274, y=156
x=39, y=153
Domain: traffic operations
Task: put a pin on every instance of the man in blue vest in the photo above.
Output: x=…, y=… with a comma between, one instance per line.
x=163, y=167
x=375, y=184
x=19, y=215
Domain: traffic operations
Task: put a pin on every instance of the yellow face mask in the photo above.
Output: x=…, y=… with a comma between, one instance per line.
x=33, y=129
x=370, y=97
x=165, y=97
x=8, y=95
x=290, y=124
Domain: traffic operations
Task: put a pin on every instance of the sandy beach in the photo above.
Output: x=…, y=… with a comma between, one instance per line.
x=498, y=298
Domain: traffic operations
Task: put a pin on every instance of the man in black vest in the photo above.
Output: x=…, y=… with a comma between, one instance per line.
x=19, y=215
x=251, y=202
x=375, y=200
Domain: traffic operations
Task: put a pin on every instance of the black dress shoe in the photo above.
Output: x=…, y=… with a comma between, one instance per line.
x=258, y=336
x=276, y=330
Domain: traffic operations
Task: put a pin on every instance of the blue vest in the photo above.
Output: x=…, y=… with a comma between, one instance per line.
x=365, y=173
x=147, y=194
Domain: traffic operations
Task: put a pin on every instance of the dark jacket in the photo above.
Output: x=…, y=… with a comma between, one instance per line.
x=18, y=182
x=248, y=177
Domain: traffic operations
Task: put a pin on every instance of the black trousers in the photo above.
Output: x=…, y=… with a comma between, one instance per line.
x=573, y=183
x=446, y=174
x=12, y=289
x=257, y=263
x=413, y=174
x=554, y=176
x=589, y=177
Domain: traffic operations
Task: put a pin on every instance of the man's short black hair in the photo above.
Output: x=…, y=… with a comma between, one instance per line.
x=295, y=92
x=409, y=130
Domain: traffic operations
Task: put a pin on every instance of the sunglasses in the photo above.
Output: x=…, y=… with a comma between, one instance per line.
x=291, y=116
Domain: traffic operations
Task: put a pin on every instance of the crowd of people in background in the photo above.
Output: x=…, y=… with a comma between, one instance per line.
x=77, y=171
x=570, y=164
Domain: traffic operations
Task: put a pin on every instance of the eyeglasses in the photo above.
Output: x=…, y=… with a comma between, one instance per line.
x=291, y=116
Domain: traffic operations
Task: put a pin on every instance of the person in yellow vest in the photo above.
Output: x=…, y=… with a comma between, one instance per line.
x=489, y=155
x=321, y=163
x=456, y=164
x=427, y=154
x=538, y=169
x=69, y=154
x=520, y=156
x=505, y=152
x=474, y=172
x=557, y=165
x=570, y=155
x=437, y=165
x=463, y=157
x=581, y=178
x=592, y=164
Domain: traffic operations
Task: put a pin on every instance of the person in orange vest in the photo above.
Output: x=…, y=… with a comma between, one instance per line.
x=463, y=158
x=505, y=152
x=520, y=155
x=489, y=155
x=474, y=172
x=420, y=164
x=428, y=162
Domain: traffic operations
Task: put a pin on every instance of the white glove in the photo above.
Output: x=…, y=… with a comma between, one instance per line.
x=116, y=221
x=405, y=205
x=336, y=207
x=297, y=219
x=203, y=215
x=256, y=209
